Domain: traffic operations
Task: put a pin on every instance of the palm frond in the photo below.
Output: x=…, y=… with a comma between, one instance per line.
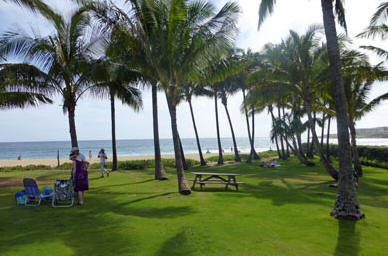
x=265, y=9
x=380, y=15
x=10, y=100
x=379, y=51
x=340, y=11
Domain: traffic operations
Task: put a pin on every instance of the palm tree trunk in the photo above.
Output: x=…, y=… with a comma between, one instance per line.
x=327, y=139
x=302, y=158
x=308, y=138
x=247, y=119
x=281, y=137
x=183, y=185
x=113, y=119
x=287, y=147
x=160, y=172
x=236, y=154
x=73, y=131
x=220, y=156
x=276, y=137
x=202, y=160
x=323, y=129
x=356, y=158
x=310, y=151
x=253, y=150
x=329, y=168
x=346, y=205
x=183, y=154
x=300, y=144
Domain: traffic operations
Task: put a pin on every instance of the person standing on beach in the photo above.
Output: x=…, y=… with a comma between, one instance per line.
x=103, y=158
x=90, y=155
x=79, y=173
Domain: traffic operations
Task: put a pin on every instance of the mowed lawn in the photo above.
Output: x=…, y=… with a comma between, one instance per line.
x=283, y=211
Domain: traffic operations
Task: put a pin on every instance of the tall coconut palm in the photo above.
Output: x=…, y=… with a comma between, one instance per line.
x=60, y=60
x=190, y=90
x=250, y=60
x=359, y=76
x=346, y=205
x=130, y=54
x=294, y=67
x=219, y=77
x=229, y=88
x=115, y=80
x=177, y=39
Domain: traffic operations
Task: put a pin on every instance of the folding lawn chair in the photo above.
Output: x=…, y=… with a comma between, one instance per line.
x=33, y=196
x=63, y=194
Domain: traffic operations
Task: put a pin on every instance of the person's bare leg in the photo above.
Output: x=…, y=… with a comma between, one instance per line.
x=80, y=197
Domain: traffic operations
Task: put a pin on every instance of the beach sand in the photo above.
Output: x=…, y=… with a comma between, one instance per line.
x=53, y=161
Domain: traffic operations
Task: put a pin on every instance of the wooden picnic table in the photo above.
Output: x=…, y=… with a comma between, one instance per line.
x=227, y=179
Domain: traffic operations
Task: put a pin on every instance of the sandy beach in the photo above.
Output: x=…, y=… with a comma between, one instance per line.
x=53, y=161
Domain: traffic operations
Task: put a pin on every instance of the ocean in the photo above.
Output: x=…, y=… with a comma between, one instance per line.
x=137, y=147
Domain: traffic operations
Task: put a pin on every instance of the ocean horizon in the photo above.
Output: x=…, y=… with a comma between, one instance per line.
x=139, y=147
x=125, y=147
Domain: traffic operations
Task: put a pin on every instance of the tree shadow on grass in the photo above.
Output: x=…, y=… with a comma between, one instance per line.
x=348, y=240
x=123, y=184
x=294, y=183
x=86, y=230
x=176, y=246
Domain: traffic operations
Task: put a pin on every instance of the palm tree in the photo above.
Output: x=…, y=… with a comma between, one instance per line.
x=60, y=60
x=177, y=39
x=190, y=90
x=116, y=81
x=359, y=76
x=346, y=206
x=219, y=78
x=129, y=53
x=229, y=88
x=250, y=61
x=293, y=69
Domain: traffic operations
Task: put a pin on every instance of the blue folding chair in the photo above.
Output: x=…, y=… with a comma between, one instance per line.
x=34, y=197
x=32, y=192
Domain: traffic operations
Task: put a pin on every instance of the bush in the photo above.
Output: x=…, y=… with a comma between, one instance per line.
x=375, y=156
x=143, y=164
x=30, y=167
x=244, y=157
x=123, y=165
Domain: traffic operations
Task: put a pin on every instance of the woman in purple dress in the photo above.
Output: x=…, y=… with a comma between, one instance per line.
x=79, y=173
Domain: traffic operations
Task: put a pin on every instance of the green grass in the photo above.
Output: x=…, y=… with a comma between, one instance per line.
x=283, y=211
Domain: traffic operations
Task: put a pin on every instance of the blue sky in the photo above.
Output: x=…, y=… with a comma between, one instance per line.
x=93, y=115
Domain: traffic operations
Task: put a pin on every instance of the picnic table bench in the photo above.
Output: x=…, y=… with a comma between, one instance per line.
x=227, y=179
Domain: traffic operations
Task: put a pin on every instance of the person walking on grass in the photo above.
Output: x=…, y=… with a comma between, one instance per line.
x=79, y=174
x=103, y=158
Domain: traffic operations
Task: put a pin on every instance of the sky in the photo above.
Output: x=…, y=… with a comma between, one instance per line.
x=47, y=122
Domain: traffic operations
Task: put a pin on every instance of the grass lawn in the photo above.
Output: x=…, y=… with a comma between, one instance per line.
x=283, y=211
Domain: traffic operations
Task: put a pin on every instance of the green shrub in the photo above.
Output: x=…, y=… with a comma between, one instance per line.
x=65, y=166
x=122, y=165
x=375, y=156
x=30, y=167
x=143, y=164
x=244, y=157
